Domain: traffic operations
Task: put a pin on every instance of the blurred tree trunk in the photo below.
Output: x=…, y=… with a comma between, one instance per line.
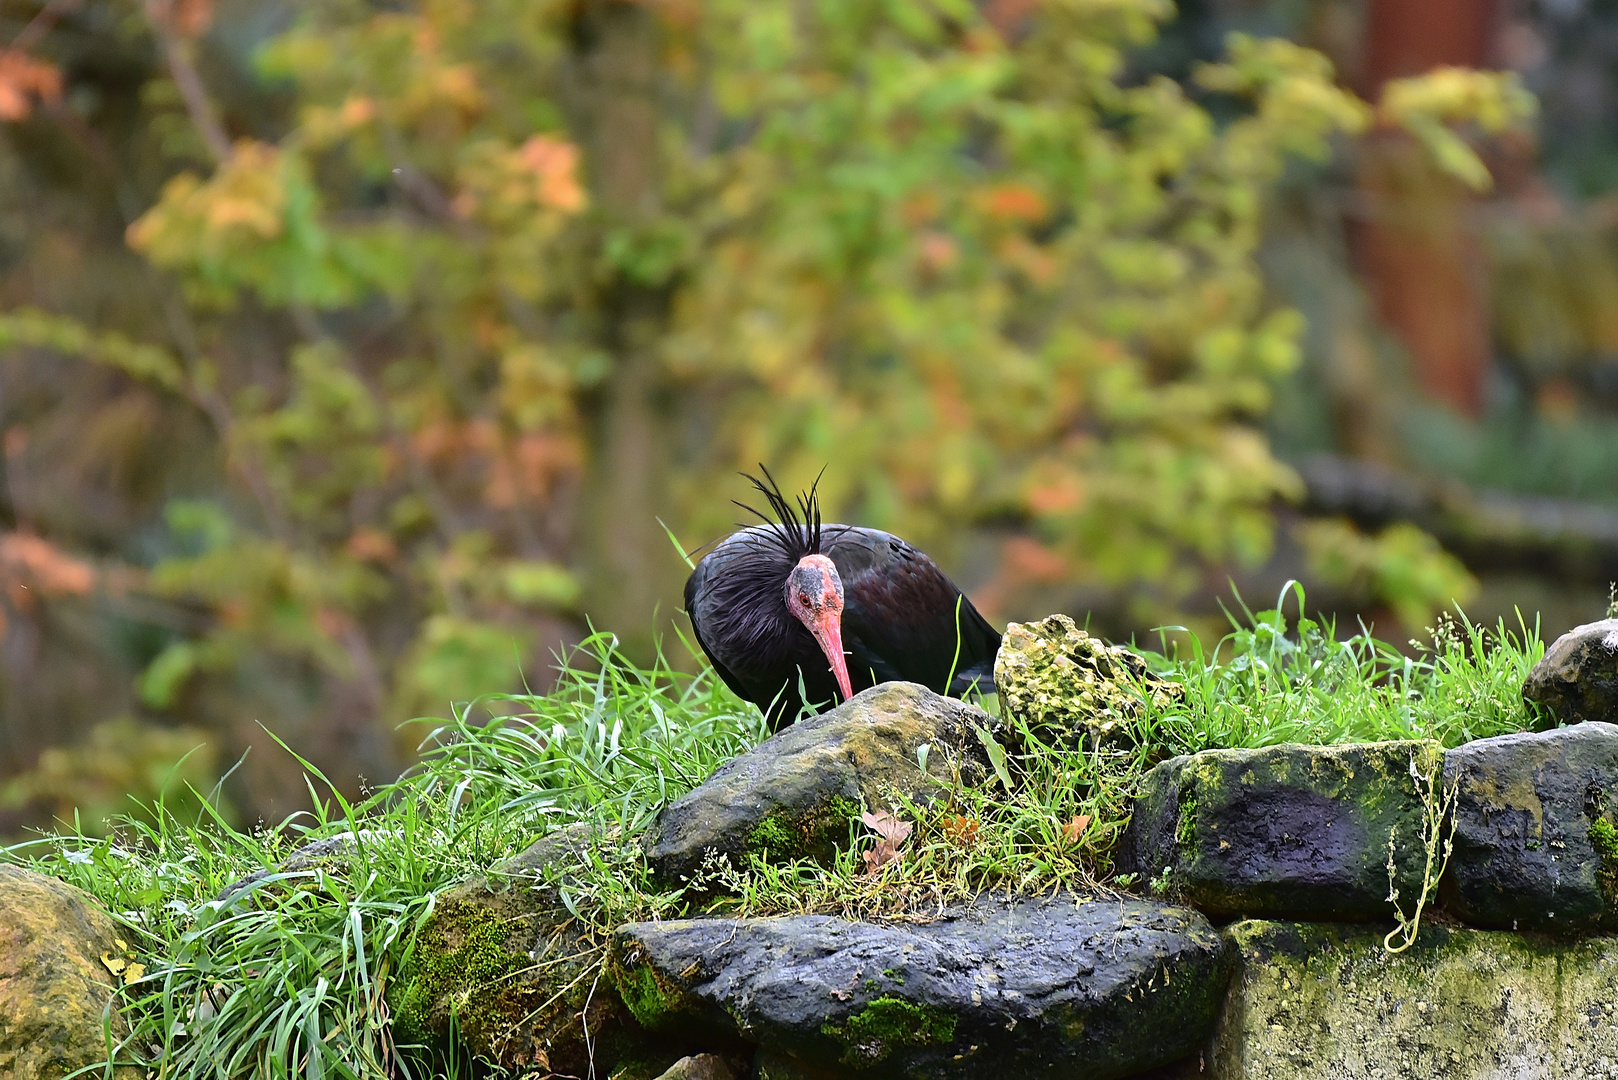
x=629, y=565
x=1421, y=261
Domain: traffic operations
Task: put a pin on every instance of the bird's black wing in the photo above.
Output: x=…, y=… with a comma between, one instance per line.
x=904, y=619
x=693, y=589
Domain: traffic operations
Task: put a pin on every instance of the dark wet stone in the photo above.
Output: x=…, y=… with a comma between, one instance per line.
x=1284, y=831
x=559, y=849
x=1535, y=843
x=1578, y=677
x=794, y=795
x=1034, y=989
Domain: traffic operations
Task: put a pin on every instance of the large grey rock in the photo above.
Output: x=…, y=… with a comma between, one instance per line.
x=1312, y=1001
x=1040, y=988
x=794, y=794
x=1578, y=677
x=1289, y=831
x=1533, y=813
x=61, y=958
x=1064, y=684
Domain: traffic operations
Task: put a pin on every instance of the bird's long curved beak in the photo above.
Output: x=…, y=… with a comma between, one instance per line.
x=828, y=631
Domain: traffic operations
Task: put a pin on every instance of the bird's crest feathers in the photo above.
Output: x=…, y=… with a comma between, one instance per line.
x=796, y=530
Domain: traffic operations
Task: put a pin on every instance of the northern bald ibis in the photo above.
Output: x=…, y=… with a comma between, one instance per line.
x=830, y=609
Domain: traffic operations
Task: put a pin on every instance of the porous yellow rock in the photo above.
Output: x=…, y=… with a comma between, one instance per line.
x=58, y=952
x=1056, y=678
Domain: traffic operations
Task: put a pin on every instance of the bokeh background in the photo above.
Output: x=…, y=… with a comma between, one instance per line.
x=357, y=357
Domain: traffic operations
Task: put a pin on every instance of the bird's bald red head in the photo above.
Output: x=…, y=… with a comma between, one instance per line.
x=815, y=598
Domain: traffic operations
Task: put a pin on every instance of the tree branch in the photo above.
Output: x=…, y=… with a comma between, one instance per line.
x=184, y=73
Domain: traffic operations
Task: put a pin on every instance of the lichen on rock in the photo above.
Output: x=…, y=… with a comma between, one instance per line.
x=58, y=952
x=1533, y=818
x=1317, y=1000
x=1061, y=682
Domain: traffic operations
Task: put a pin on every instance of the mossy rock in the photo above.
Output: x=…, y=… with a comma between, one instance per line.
x=1285, y=831
x=795, y=795
x=1035, y=989
x=1536, y=847
x=1314, y=1000
x=1066, y=685
x=503, y=964
x=58, y=950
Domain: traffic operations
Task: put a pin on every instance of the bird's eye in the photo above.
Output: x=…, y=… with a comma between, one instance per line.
x=803, y=598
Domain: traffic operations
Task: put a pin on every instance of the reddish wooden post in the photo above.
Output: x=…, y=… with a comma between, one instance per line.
x=1421, y=261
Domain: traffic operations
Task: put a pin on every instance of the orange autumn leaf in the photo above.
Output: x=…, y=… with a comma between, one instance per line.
x=1074, y=828
x=1014, y=202
x=192, y=17
x=555, y=163
x=961, y=830
x=23, y=79
x=187, y=18
x=938, y=252
x=1026, y=559
x=32, y=562
x=372, y=545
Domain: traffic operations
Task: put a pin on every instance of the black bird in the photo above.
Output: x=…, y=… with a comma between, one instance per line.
x=831, y=610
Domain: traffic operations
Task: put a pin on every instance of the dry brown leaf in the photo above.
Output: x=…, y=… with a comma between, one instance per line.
x=887, y=826
x=891, y=832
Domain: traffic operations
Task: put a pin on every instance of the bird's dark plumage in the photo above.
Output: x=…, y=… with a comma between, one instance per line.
x=901, y=616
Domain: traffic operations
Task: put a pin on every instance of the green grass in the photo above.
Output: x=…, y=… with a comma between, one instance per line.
x=1268, y=682
x=292, y=977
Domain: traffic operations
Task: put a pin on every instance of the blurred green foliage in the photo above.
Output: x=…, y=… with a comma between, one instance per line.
x=124, y=769
x=493, y=284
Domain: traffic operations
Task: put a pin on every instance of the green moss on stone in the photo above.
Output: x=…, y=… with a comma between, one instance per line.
x=437, y=971
x=651, y=1002
x=1604, y=838
x=1185, y=826
x=771, y=834
x=803, y=834
x=887, y=1024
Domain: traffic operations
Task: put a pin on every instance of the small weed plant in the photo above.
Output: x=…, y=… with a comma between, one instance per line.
x=290, y=975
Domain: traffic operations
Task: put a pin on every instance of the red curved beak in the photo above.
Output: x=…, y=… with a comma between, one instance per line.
x=828, y=631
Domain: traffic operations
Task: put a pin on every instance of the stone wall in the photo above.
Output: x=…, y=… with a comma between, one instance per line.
x=1259, y=948
x=1273, y=934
